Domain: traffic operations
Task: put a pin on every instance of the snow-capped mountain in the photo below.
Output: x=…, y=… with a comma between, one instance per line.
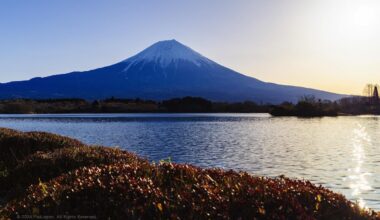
x=168, y=52
x=167, y=69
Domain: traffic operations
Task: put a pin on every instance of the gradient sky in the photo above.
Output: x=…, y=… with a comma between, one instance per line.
x=332, y=45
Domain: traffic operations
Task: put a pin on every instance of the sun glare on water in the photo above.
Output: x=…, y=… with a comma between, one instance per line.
x=359, y=176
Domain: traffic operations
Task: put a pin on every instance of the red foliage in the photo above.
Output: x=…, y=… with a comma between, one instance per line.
x=111, y=183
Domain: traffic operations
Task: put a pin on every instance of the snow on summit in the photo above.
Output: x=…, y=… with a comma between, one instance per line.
x=165, y=70
x=167, y=52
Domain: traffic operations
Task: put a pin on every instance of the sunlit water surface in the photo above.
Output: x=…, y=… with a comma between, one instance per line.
x=340, y=153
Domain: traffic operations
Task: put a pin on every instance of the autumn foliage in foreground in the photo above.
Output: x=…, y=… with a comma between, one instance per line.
x=43, y=174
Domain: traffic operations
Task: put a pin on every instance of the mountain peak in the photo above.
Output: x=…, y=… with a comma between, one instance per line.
x=167, y=52
x=169, y=42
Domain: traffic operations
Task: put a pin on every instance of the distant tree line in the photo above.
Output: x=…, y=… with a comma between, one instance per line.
x=118, y=105
x=307, y=106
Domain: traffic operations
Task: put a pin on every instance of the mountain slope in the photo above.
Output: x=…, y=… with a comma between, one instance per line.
x=167, y=69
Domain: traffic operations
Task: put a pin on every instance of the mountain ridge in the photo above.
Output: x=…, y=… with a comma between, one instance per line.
x=166, y=69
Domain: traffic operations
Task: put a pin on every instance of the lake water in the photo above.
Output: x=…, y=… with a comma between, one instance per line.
x=341, y=153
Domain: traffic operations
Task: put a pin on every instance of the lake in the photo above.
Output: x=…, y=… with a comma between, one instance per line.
x=341, y=153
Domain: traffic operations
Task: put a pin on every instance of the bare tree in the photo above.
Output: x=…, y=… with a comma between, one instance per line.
x=368, y=90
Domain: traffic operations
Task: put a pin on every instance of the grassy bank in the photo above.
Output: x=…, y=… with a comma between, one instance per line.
x=43, y=174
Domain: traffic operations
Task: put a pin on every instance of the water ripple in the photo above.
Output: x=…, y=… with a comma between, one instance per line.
x=340, y=153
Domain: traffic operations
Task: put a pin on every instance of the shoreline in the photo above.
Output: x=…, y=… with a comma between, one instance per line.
x=306, y=107
x=45, y=174
x=181, y=113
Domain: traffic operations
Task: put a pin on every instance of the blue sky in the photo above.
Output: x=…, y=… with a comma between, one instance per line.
x=325, y=44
